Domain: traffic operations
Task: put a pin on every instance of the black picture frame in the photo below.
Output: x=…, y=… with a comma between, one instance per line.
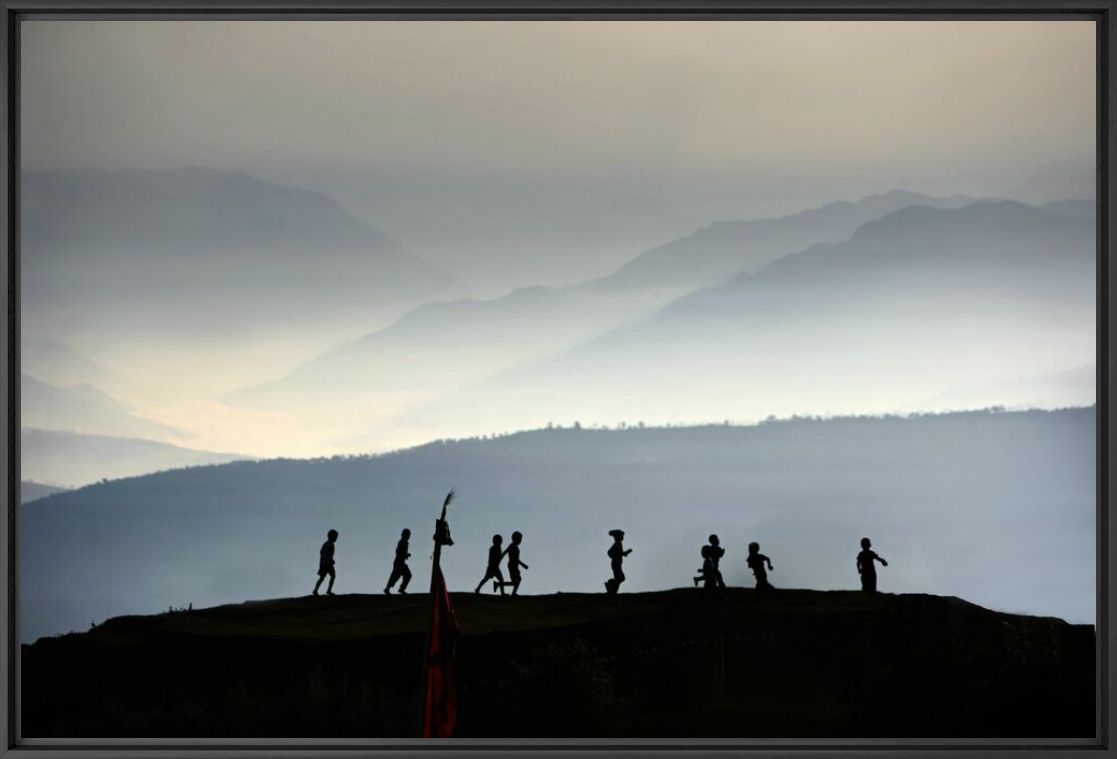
x=14, y=11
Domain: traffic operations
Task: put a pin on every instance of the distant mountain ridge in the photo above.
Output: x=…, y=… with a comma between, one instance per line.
x=531, y=322
x=726, y=248
x=988, y=244
x=77, y=459
x=991, y=245
x=60, y=365
x=836, y=328
x=442, y=345
x=195, y=209
x=30, y=491
x=446, y=369
x=196, y=247
x=84, y=409
x=1082, y=208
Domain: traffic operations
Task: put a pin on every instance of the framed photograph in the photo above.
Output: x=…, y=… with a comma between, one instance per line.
x=693, y=377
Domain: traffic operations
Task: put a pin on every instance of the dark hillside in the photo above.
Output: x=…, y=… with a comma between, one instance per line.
x=674, y=663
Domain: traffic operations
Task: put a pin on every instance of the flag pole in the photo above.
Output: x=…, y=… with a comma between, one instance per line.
x=441, y=538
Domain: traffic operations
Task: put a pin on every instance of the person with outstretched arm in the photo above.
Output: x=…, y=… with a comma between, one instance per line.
x=756, y=562
x=866, y=568
x=616, y=554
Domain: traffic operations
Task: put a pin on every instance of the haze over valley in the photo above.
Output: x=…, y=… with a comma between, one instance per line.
x=1007, y=285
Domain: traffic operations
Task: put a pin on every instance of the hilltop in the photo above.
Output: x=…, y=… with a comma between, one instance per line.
x=670, y=663
x=959, y=503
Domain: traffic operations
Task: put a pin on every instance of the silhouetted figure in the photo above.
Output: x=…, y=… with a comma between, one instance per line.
x=616, y=553
x=492, y=571
x=756, y=562
x=704, y=570
x=711, y=571
x=514, y=563
x=866, y=568
x=399, y=566
x=326, y=563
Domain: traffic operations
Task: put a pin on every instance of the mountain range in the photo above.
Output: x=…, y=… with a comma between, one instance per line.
x=84, y=409
x=726, y=248
x=443, y=355
x=956, y=502
x=1004, y=289
x=30, y=491
x=444, y=345
x=75, y=460
x=56, y=363
x=843, y=323
x=199, y=249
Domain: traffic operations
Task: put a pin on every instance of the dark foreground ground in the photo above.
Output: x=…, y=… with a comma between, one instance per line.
x=667, y=664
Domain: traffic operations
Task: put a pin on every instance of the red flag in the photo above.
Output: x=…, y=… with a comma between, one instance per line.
x=440, y=711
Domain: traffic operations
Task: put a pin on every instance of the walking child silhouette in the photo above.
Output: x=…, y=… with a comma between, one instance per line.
x=326, y=563
x=514, y=564
x=710, y=573
x=704, y=570
x=399, y=566
x=492, y=570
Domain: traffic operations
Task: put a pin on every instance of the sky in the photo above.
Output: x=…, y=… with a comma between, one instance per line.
x=461, y=139
x=517, y=154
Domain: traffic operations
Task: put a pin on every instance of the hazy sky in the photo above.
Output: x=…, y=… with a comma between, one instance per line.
x=535, y=153
x=497, y=149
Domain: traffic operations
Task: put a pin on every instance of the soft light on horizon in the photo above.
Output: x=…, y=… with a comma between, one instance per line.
x=532, y=153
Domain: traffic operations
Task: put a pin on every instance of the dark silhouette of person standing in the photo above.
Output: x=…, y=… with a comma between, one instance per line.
x=399, y=566
x=866, y=568
x=492, y=571
x=756, y=562
x=714, y=578
x=514, y=563
x=616, y=553
x=326, y=563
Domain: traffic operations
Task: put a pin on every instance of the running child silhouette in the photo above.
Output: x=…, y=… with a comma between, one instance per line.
x=710, y=573
x=514, y=564
x=756, y=563
x=704, y=570
x=616, y=553
x=492, y=571
x=399, y=566
x=326, y=563
x=866, y=568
